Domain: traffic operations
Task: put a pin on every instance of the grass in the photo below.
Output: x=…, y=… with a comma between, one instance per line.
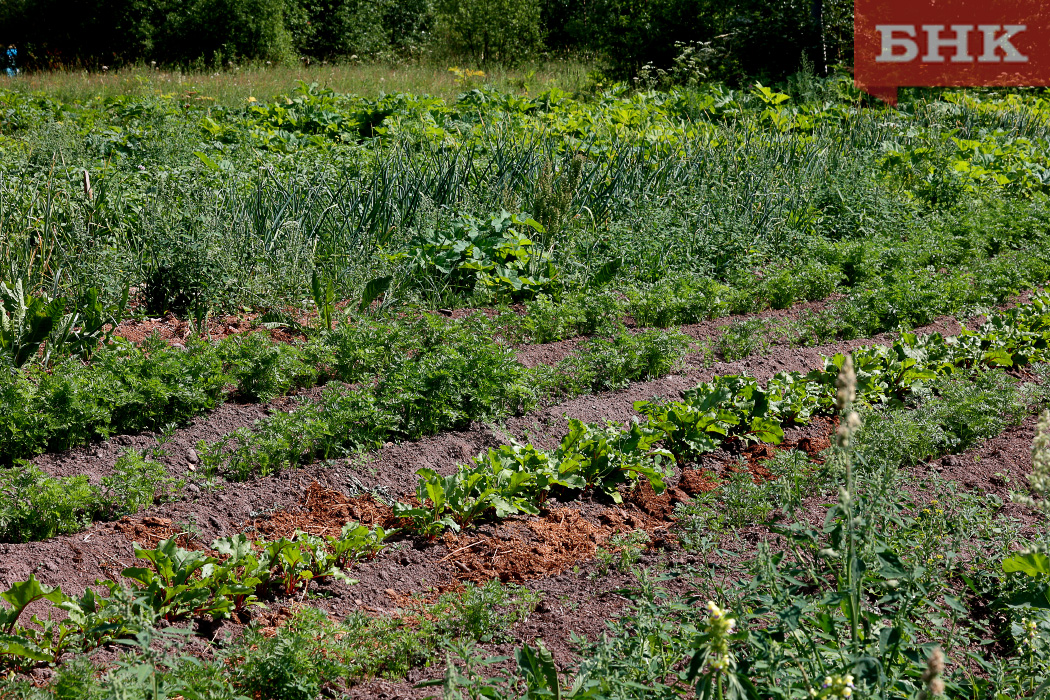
x=233, y=87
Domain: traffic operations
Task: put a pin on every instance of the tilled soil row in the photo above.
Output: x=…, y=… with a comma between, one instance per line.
x=178, y=449
x=179, y=455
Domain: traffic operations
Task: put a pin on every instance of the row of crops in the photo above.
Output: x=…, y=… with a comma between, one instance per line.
x=429, y=375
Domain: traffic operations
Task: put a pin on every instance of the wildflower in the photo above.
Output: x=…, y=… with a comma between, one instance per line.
x=932, y=676
x=1031, y=629
x=719, y=627
x=836, y=687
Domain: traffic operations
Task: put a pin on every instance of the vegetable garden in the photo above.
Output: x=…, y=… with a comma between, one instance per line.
x=711, y=392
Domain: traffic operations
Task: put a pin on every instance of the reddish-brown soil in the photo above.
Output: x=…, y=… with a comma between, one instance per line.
x=176, y=331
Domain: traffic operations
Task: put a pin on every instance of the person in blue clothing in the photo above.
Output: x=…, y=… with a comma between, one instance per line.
x=12, y=57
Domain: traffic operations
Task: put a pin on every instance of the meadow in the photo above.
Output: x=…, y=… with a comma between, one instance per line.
x=354, y=381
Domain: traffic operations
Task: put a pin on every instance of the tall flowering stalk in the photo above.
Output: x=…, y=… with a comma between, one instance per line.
x=834, y=687
x=932, y=678
x=849, y=424
x=713, y=667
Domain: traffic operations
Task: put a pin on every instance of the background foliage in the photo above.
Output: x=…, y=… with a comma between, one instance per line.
x=736, y=39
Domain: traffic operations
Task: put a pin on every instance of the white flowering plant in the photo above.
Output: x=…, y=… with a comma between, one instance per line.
x=713, y=666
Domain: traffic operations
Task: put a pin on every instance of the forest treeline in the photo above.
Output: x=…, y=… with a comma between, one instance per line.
x=720, y=39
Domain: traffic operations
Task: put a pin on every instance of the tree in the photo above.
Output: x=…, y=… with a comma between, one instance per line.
x=507, y=31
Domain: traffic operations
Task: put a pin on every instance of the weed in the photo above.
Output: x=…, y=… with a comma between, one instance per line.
x=795, y=478
x=621, y=552
x=486, y=612
x=742, y=339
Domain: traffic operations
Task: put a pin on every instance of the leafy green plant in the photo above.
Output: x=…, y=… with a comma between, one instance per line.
x=26, y=321
x=621, y=552
x=471, y=255
x=606, y=457
x=593, y=313
x=90, y=325
x=428, y=518
x=135, y=484
x=742, y=339
x=323, y=292
x=264, y=370
x=486, y=612
x=35, y=506
x=37, y=646
x=180, y=583
x=176, y=584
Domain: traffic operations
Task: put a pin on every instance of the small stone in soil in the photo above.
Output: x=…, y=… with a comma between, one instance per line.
x=194, y=489
x=191, y=456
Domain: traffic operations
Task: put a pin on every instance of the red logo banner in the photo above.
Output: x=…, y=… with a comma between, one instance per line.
x=950, y=43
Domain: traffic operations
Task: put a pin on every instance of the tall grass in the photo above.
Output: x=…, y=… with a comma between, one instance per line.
x=232, y=87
